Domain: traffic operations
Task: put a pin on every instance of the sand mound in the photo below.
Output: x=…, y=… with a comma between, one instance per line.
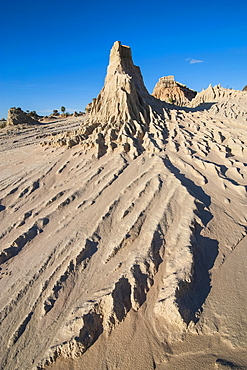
x=16, y=116
x=117, y=256
x=227, y=103
x=171, y=91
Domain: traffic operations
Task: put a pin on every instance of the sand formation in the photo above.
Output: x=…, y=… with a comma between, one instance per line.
x=123, y=114
x=16, y=116
x=167, y=89
x=123, y=243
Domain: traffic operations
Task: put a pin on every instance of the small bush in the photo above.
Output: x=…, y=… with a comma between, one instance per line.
x=171, y=100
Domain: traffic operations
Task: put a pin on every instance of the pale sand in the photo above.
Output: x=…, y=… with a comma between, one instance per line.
x=127, y=261
x=117, y=208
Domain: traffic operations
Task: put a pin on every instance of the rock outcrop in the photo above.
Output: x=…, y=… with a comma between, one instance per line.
x=16, y=116
x=170, y=91
x=245, y=88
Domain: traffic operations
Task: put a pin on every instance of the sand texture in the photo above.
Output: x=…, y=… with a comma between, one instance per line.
x=123, y=233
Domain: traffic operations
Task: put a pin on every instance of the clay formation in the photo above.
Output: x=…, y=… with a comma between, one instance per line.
x=170, y=91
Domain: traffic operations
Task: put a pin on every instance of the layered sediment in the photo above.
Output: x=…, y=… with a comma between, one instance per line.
x=171, y=91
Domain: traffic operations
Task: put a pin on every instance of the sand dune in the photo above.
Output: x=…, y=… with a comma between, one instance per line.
x=123, y=244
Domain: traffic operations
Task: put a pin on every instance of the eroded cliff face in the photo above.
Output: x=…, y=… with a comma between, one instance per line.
x=170, y=91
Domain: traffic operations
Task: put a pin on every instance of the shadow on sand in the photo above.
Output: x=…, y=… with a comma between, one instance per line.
x=191, y=295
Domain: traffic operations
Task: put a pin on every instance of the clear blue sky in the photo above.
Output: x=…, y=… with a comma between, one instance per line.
x=55, y=53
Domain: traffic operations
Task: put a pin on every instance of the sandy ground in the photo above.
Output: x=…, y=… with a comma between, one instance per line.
x=125, y=263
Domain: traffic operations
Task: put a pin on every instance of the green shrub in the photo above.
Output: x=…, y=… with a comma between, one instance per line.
x=171, y=100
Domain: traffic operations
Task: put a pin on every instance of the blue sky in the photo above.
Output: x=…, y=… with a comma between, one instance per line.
x=55, y=53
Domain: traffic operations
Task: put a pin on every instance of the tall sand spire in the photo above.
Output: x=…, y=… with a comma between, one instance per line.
x=123, y=114
x=124, y=98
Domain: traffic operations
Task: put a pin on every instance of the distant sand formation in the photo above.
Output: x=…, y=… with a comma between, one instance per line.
x=16, y=116
x=167, y=89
